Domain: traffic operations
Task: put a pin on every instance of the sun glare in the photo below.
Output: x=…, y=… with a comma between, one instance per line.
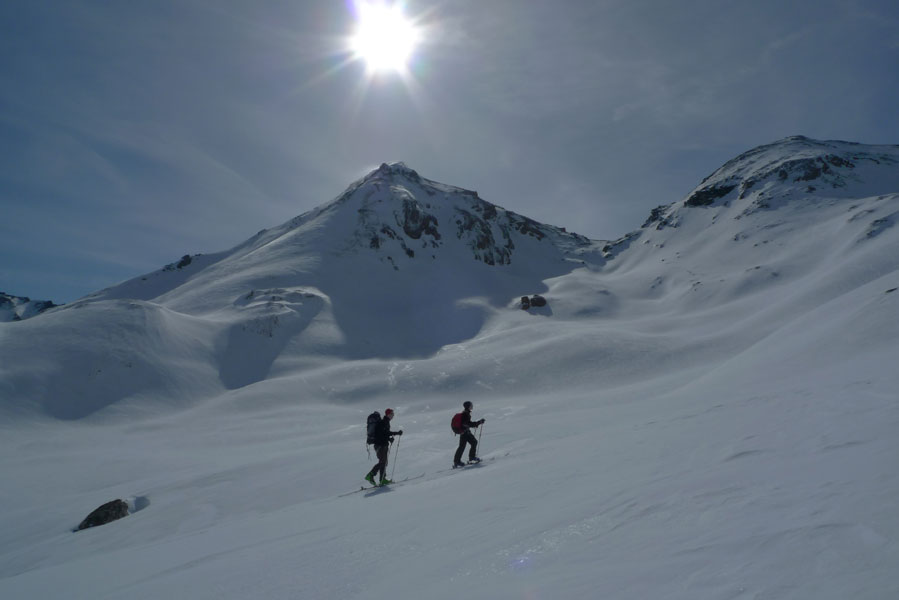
x=384, y=37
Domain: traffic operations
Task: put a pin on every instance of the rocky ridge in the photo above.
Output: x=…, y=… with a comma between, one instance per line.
x=795, y=168
x=397, y=208
x=18, y=308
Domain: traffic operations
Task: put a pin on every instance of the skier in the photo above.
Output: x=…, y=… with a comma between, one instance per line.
x=467, y=437
x=383, y=437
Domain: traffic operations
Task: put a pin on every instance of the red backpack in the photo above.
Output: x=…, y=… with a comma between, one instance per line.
x=456, y=423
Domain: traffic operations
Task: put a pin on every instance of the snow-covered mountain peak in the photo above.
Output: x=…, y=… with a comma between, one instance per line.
x=799, y=166
x=392, y=219
x=17, y=308
x=391, y=171
x=346, y=278
x=794, y=170
x=397, y=214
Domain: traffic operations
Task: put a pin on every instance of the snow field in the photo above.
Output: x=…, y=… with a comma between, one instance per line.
x=711, y=414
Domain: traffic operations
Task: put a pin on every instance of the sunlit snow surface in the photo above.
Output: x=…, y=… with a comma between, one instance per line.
x=704, y=410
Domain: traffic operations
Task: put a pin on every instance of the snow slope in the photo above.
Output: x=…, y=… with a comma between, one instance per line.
x=705, y=409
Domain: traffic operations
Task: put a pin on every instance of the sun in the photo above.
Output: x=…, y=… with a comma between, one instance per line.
x=384, y=37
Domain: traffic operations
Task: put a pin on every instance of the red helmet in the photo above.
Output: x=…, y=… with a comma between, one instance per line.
x=388, y=412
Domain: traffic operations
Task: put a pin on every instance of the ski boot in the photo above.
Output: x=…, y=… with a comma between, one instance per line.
x=473, y=461
x=386, y=481
x=371, y=479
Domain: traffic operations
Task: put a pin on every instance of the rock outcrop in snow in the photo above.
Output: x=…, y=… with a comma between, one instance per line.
x=17, y=308
x=107, y=513
x=796, y=168
x=401, y=211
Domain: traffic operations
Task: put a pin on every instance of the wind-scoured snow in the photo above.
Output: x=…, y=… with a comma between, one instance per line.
x=705, y=408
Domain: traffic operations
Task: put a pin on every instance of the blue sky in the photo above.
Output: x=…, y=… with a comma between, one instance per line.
x=134, y=133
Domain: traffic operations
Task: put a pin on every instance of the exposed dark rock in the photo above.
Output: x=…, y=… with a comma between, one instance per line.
x=487, y=230
x=747, y=185
x=528, y=227
x=399, y=169
x=480, y=233
x=417, y=222
x=838, y=161
x=18, y=308
x=878, y=226
x=111, y=511
x=486, y=210
x=535, y=300
x=656, y=217
x=42, y=305
x=613, y=249
x=810, y=169
x=183, y=262
x=708, y=195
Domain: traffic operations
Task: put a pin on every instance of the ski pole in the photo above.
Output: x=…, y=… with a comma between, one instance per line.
x=480, y=431
x=395, y=454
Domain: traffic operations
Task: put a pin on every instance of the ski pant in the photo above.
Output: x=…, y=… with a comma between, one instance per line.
x=466, y=438
x=382, y=452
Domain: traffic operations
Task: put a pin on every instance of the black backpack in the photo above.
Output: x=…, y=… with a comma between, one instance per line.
x=372, y=425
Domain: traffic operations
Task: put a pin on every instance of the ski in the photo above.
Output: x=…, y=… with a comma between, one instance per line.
x=377, y=487
x=467, y=465
x=399, y=481
x=472, y=465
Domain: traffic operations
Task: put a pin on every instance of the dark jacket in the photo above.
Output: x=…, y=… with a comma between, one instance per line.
x=383, y=434
x=467, y=422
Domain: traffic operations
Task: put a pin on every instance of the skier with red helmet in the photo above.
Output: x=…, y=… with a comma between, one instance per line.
x=382, y=439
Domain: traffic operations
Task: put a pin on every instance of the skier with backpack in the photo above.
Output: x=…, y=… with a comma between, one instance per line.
x=461, y=425
x=381, y=437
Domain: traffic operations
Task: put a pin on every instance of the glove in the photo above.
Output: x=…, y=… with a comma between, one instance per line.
x=482, y=421
x=400, y=432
